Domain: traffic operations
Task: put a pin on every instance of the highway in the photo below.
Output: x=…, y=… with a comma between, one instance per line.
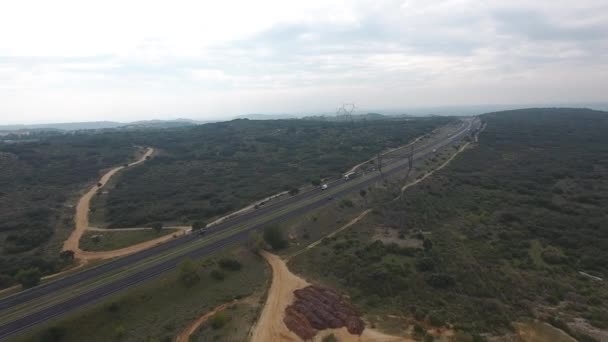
x=42, y=303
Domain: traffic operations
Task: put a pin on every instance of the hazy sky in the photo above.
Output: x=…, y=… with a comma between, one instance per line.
x=84, y=60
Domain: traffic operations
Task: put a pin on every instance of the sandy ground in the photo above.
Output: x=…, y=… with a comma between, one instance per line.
x=541, y=332
x=81, y=218
x=184, y=336
x=270, y=326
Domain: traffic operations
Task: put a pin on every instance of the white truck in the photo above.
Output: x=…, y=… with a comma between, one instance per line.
x=324, y=187
x=348, y=176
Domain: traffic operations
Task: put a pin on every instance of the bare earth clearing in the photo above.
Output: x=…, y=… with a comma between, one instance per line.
x=271, y=327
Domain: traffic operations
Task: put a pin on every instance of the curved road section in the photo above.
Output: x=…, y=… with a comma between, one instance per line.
x=168, y=255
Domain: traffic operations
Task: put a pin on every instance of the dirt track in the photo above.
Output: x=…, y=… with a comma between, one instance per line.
x=184, y=336
x=81, y=220
x=270, y=326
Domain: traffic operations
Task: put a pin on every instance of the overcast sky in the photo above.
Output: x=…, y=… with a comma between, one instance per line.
x=123, y=60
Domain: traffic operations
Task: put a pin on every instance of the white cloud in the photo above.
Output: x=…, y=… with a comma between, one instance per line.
x=76, y=60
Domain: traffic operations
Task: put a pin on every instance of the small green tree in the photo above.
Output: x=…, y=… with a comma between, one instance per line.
x=119, y=331
x=28, y=278
x=419, y=330
x=199, y=225
x=255, y=242
x=363, y=193
x=67, y=255
x=294, y=191
x=188, y=274
x=274, y=237
x=427, y=244
x=217, y=275
x=53, y=334
x=330, y=338
x=219, y=320
x=157, y=227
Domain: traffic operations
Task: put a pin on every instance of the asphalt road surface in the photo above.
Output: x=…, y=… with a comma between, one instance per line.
x=105, y=290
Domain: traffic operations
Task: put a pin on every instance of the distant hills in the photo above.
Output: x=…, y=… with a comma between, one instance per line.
x=73, y=126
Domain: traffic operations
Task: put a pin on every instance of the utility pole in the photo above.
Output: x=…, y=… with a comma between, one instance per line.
x=380, y=165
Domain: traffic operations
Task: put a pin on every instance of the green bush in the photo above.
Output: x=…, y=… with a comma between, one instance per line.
x=28, y=278
x=330, y=338
x=217, y=275
x=188, y=274
x=219, y=320
x=230, y=264
x=274, y=237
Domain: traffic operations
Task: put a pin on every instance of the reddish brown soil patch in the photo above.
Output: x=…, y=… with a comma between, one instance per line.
x=316, y=308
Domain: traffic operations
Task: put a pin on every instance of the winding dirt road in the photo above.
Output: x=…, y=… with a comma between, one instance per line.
x=81, y=221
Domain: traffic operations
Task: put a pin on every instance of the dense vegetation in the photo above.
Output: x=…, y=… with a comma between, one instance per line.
x=200, y=172
x=37, y=178
x=212, y=169
x=503, y=231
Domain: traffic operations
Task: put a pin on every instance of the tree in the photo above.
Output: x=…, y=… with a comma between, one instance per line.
x=315, y=182
x=217, y=275
x=427, y=244
x=67, y=255
x=199, y=225
x=187, y=273
x=425, y=264
x=362, y=193
x=255, y=242
x=274, y=237
x=330, y=338
x=53, y=334
x=294, y=191
x=157, y=227
x=230, y=264
x=219, y=320
x=28, y=278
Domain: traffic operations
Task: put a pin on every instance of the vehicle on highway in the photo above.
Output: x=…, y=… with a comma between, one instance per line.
x=349, y=175
x=324, y=187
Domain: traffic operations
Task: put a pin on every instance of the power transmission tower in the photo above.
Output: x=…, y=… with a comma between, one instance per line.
x=346, y=112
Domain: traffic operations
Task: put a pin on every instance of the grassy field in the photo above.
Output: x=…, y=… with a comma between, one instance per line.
x=115, y=239
x=499, y=235
x=159, y=310
x=232, y=324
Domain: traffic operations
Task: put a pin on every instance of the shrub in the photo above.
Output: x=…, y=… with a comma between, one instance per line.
x=347, y=203
x=119, y=331
x=217, y=275
x=28, y=278
x=199, y=225
x=419, y=330
x=425, y=265
x=53, y=334
x=440, y=281
x=330, y=338
x=219, y=320
x=274, y=237
x=230, y=264
x=188, y=274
